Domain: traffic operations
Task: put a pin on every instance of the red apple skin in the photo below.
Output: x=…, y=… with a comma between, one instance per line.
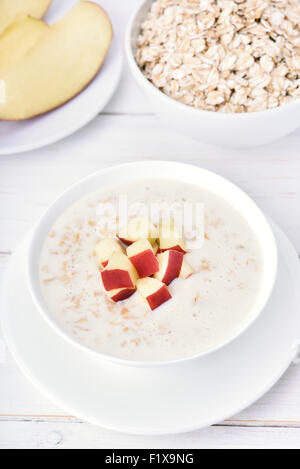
x=174, y=266
x=123, y=294
x=174, y=248
x=116, y=278
x=145, y=263
x=159, y=297
x=126, y=241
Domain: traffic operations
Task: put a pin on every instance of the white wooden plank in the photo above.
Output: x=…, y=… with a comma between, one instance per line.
x=129, y=99
x=54, y=435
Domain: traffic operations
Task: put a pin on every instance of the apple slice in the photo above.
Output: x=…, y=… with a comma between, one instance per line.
x=136, y=229
x=169, y=236
x=60, y=66
x=12, y=11
x=18, y=40
x=155, y=248
x=171, y=239
x=166, y=224
x=186, y=270
x=142, y=257
x=153, y=291
x=121, y=294
x=170, y=264
x=119, y=273
x=105, y=249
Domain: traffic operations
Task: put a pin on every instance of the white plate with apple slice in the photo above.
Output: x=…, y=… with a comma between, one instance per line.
x=74, y=105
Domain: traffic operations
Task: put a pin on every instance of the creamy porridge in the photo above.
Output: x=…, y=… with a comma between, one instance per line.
x=206, y=308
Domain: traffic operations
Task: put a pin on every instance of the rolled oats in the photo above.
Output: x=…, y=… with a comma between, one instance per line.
x=223, y=55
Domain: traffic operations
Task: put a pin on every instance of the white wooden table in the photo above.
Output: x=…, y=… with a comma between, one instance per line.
x=128, y=131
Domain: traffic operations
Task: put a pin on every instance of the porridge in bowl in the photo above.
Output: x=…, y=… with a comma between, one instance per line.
x=139, y=291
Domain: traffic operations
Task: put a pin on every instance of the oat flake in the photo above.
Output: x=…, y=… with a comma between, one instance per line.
x=223, y=55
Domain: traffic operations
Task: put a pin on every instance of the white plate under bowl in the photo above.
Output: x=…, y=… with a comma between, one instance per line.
x=155, y=401
x=17, y=137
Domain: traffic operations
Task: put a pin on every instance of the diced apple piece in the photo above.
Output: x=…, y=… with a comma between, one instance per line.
x=169, y=236
x=65, y=60
x=138, y=228
x=171, y=239
x=105, y=249
x=12, y=11
x=170, y=264
x=186, y=270
x=18, y=40
x=153, y=291
x=119, y=273
x=120, y=294
x=155, y=248
x=166, y=224
x=142, y=257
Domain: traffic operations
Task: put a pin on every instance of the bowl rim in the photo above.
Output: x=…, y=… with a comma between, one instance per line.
x=177, y=104
x=61, y=201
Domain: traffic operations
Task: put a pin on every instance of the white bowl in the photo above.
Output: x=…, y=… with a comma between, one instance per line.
x=176, y=172
x=222, y=129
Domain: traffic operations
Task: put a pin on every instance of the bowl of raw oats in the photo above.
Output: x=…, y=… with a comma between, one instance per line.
x=223, y=72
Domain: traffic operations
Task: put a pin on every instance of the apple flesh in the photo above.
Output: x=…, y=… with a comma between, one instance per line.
x=155, y=248
x=119, y=273
x=136, y=229
x=12, y=11
x=105, y=249
x=166, y=224
x=186, y=270
x=142, y=257
x=170, y=264
x=65, y=60
x=121, y=294
x=153, y=291
x=169, y=236
x=18, y=40
x=172, y=240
